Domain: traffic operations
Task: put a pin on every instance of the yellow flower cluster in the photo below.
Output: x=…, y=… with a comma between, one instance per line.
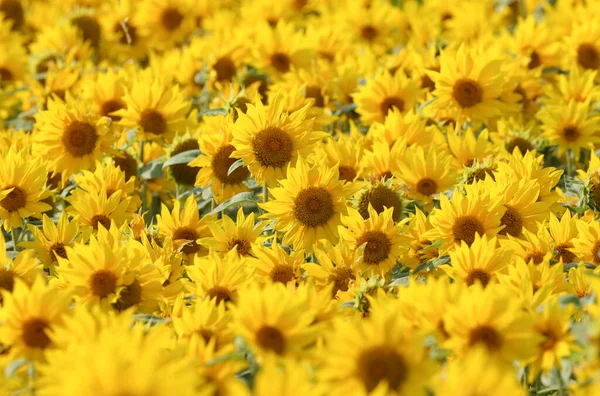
x=299, y=197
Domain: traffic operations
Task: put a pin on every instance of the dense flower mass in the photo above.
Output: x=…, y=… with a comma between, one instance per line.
x=299, y=197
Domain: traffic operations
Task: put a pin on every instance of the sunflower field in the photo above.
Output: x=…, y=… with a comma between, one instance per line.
x=300, y=197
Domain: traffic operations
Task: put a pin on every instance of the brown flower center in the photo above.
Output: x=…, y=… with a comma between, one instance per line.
x=379, y=364
x=263, y=87
x=153, y=122
x=534, y=60
x=13, y=11
x=190, y=235
x=221, y=294
x=369, y=32
x=58, y=250
x=571, y=133
x=80, y=138
x=89, y=28
x=480, y=174
x=103, y=283
x=551, y=339
x=34, y=333
x=5, y=75
x=100, y=219
x=111, y=106
x=314, y=92
x=183, y=173
x=282, y=273
x=467, y=92
x=221, y=162
x=595, y=253
x=427, y=83
x=465, y=228
x=512, y=221
x=427, y=186
x=479, y=275
x=313, y=206
x=7, y=279
x=241, y=245
x=271, y=339
x=341, y=278
x=486, y=335
x=377, y=248
x=280, y=62
x=129, y=296
x=380, y=197
x=15, y=200
x=537, y=257
x=389, y=103
x=588, y=56
x=127, y=163
x=273, y=147
x=171, y=19
x=563, y=253
x=522, y=144
x=225, y=68
x=347, y=173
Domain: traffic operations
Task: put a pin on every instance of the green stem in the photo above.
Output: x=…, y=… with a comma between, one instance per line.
x=265, y=192
x=144, y=182
x=561, y=384
x=570, y=163
x=13, y=235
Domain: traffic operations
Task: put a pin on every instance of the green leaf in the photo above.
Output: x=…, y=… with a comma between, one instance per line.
x=425, y=104
x=238, y=355
x=237, y=164
x=182, y=158
x=439, y=261
x=554, y=69
x=239, y=198
x=152, y=170
x=569, y=299
x=347, y=304
x=151, y=319
x=14, y=366
x=420, y=268
x=214, y=112
x=349, y=108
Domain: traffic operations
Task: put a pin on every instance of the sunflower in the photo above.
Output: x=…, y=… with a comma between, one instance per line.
x=586, y=245
x=535, y=247
x=93, y=210
x=274, y=264
x=481, y=262
x=13, y=64
x=491, y=319
x=273, y=320
x=577, y=85
x=377, y=354
x=337, y=266
x=583, y=43
x=214, y=163
x=380, y=195
x=205, y=317
x=420, y=249
x=470, y=84
x=154, y=108
x=71, y=137
x=426, y=173
x=241, y=235
x=385, y=92
x=308, y=204
x=287, y=378
x=24, y=267
x=28, y=314
x=570, y=126
x=219, y=277
x=563, y=232
x=346, y=151
x=409, y=126
x=51, y=241
x=268, y=140
x=464, y=217
x=106, y=91
x=378, y=237
x=121, y=36
x=380, y=161
x=183, y=226
x=467, y=147
x=164, y=22
x=533, y=41
x=22, y=187
x=184, y=174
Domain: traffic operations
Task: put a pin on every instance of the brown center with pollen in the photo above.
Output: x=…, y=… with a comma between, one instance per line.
x=380, y=197
x=347, y=173
x=588, y=56
x=534, y=60
x=153, y=122
x=171, y=19
x=89, y=28
x=241, y=245
x=377, y=246
x=381, y=363
x=313, y=206
x=571, y=133
x=58, y=250
x=512, y=222
x=127, y=163
x=79, y=138
x=5, y=75
x=15, y=200
x=7, y=279
x=522, y=144
x=273, y=147
x=427, y=186
x=130, y=296
x=221, y=294
x=221, y=162
x=427, y=83
x=13, y=11
x=103, y=283
x=480, y=174
x=34, y=333
x=241, y=104
x=563, y=253
x=479, y=275
x=389, y=103
x=551, y=339
x=369, y=32
x=263, y=86
x=465, y=228
x=282, y=274
x=487, y=336
x=183, y=173
x=100, y=219
x=110, y=106
x=225, y=68
x=271, y=339
x=190, y=235
x=536, y=257
x=280, y=62
x=467, y=92
x=341, y=278
x=314, y=92
x=127, y=33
